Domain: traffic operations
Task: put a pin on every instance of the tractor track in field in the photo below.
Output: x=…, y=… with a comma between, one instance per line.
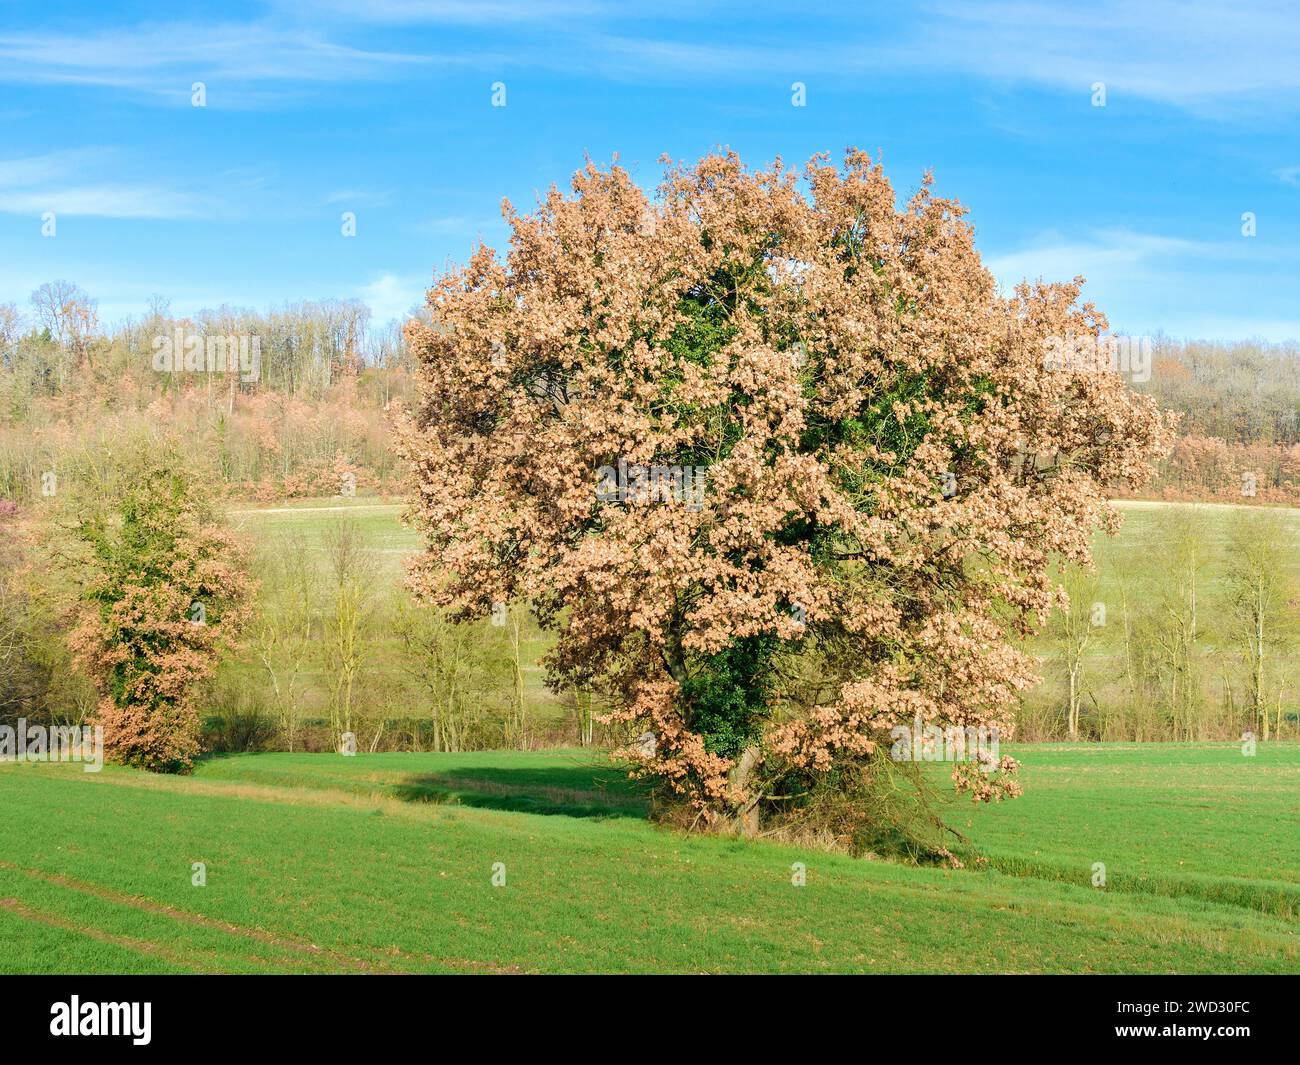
x=299, y=795
x=137, y=902
x=139, y=946
x=322, y=959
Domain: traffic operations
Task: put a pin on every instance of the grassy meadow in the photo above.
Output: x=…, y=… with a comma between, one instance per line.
x=384, y=863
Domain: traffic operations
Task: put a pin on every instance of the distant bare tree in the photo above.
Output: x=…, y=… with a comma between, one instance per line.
x=352, y=572
x=11, y=323
x=463, y=667
x=1073, y=629
x=1259, y=589
x=285, y=628
x=71, y=317
x=1178, y=623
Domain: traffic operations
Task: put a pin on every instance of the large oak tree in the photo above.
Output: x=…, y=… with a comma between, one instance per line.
x=889, y=462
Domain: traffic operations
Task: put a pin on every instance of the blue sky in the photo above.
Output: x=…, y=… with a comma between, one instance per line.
x=384, y=108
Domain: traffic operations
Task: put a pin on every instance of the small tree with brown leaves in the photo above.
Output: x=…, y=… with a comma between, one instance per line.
x=163, y=591
x=776, y=458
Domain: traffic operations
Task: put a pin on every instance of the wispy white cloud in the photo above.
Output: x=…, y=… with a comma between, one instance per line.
x=461, y=226
x=166, y=59
x=1113, y=255
x=49, y=167
x=62, y=182
x=103, y=201
x=1148, y=282
x=1190, y=53
x=1185, y=53
x=358, y=198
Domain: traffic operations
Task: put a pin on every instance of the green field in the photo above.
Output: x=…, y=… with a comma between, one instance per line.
x=387, y=538
x=393, y=541
x=384, y=863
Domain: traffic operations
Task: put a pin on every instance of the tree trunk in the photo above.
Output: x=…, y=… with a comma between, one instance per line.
x=741, y=777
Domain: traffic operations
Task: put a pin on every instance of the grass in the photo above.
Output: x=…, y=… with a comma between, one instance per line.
x=388, y=540
x=1182, y=820
x=383, y=863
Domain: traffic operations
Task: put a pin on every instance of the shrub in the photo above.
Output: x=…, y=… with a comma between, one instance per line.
x=163, y=591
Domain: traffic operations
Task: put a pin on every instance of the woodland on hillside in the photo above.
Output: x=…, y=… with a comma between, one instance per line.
x=329, y=376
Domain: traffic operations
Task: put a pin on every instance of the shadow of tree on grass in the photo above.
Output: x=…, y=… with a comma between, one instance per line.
x=577, y=791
